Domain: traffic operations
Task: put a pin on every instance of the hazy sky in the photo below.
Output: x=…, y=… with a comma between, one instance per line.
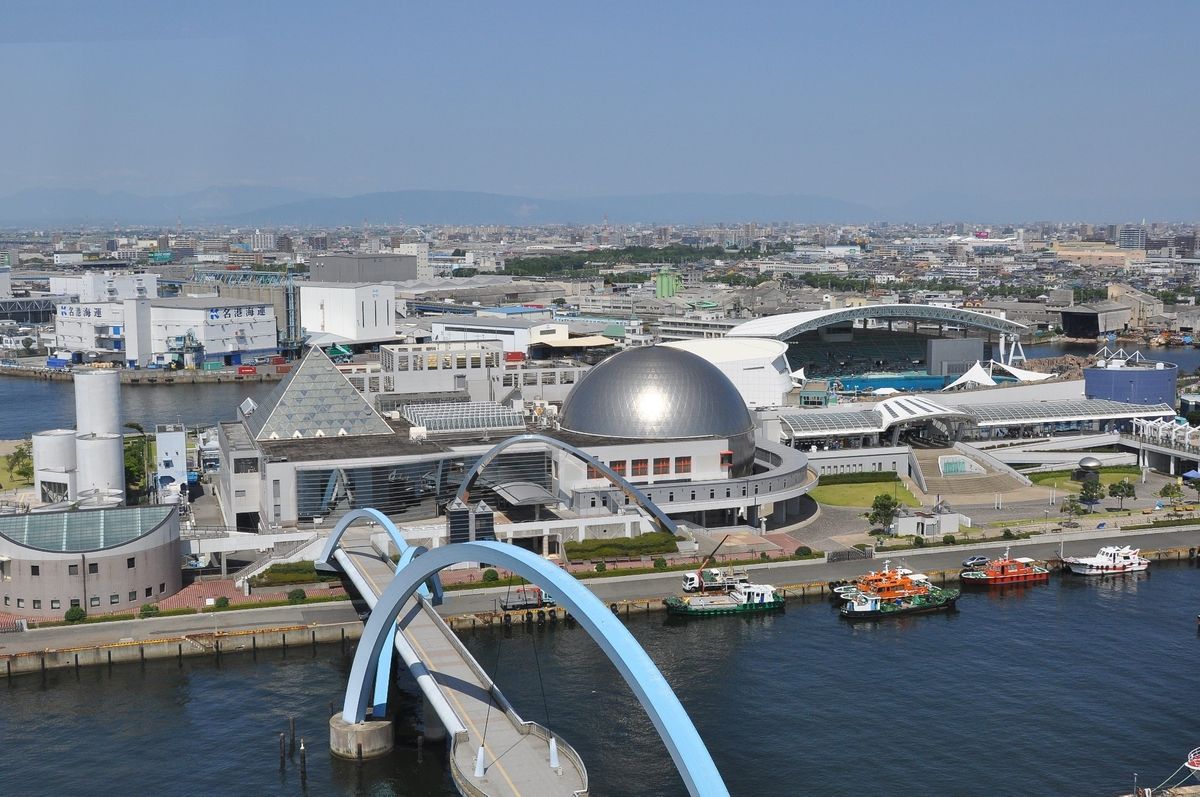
x=881, y=103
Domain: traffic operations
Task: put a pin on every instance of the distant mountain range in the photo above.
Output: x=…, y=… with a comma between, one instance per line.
x=264, y=206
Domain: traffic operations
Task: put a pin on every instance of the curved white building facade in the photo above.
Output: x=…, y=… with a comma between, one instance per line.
x=758, y=367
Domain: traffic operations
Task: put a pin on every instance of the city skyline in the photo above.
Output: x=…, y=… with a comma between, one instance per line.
x=923, y=112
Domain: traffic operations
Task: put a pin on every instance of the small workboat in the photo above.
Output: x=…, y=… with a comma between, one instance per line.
x=740, y=599
x=865, y=606
x=1005, y=570
x=1108, y=560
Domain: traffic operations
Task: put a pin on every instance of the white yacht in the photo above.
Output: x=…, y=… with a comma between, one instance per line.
x=1110, y=559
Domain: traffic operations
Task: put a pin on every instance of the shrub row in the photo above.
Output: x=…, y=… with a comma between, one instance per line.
x=654, y=542
x=1183, y=521
x=291, y=573
x=866, y=477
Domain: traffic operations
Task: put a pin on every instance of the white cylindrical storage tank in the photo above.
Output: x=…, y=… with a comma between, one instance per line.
x=100, y=464
x=54, y=449
x=98, y=401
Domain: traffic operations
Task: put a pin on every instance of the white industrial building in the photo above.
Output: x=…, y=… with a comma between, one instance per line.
x=515, y=334
x=476, y=368
x=84, y=465
x=348, y=312
x=189, y=331
x=758, y=367
x=107, y=286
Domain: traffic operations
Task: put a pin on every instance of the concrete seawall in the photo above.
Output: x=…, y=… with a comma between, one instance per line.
x=150, y=377
x=220, y=643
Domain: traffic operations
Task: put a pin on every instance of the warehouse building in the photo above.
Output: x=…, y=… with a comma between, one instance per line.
x=189, y=331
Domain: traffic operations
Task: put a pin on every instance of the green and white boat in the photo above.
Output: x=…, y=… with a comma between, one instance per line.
x=866, y=606
x=739, y=599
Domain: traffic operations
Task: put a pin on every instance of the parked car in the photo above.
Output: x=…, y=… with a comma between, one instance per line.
x=972, y=562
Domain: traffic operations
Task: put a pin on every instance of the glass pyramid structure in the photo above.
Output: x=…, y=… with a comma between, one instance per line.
x=314, y=400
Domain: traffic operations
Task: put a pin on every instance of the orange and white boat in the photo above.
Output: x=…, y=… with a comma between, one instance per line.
x=889, y=584
x=1005, y=570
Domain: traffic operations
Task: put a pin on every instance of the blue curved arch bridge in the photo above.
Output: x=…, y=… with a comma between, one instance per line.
x=493, y=751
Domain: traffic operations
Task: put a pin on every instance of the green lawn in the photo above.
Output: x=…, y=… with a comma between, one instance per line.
x=861, y=494
x=1061, y=480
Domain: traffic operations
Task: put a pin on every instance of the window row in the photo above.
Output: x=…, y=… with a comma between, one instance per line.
x=93, y=600
x=641, y=467
x=93, y=568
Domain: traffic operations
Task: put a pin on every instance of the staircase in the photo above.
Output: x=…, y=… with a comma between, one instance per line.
x=279, y=554
x=992, y=481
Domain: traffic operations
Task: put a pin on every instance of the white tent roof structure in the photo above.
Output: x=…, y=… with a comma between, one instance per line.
x=976, y=376
x=1021, y=374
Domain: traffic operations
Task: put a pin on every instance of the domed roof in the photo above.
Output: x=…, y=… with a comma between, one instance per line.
x=656, y=392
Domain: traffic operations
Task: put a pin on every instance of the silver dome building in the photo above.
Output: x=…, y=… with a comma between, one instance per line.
x=659, y=393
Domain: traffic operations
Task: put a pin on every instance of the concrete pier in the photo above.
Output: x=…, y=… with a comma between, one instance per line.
x=369, y=739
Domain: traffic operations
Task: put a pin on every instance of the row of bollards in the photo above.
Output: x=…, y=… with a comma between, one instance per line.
x=283, y=750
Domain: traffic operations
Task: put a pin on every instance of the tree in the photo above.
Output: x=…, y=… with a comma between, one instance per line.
x=296, y=596
x=27, y=344
x=137, y=450
x=20, y=461
x=1122, y=490
x=1072, y=507
x=883, y=510
x=1171, y=491
x=1091, y=493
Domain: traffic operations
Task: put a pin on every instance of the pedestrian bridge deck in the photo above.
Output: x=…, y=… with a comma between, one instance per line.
x=469, y=705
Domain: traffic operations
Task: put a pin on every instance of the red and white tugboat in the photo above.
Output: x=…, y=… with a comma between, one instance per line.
x=1109, y=560
x=1005, y=570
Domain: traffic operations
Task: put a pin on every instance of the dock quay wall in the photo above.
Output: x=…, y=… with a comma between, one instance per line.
x=221, y=643
x=149, y=377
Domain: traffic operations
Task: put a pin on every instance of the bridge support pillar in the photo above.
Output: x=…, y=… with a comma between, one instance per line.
x=435, y=731
x=369, y=739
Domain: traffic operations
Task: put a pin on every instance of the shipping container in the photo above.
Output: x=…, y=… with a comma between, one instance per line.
x=213, y=365
x=514, y=356
x=278, y=360
x=244, y=370
x=282, y=369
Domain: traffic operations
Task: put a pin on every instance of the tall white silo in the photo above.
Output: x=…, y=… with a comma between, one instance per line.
x=54, y=450
x=101, y=465
x=54, y=475
x=98, y=401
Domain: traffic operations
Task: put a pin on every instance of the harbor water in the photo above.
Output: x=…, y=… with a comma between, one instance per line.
x=1066, y=688
x=30, y=405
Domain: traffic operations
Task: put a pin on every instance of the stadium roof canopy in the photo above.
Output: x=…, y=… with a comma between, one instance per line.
x=1029, y=412
x=789, y=325
x=878, y=418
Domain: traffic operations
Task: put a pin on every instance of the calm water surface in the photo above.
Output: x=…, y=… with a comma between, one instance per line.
x=30, y=405
x=1066, y=688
